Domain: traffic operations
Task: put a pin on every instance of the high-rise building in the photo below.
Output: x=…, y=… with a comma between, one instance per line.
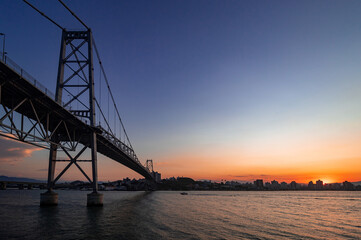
x=157, y=176
x=311, y=185
x=319, y=184
x=259, y=183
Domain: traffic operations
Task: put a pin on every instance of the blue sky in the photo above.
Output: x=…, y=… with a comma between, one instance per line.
x=210, y=78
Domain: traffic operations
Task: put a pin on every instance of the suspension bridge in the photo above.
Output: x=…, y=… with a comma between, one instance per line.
x=73, y=119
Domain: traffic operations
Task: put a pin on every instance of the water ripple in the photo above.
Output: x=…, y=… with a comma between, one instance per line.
x=169, y=215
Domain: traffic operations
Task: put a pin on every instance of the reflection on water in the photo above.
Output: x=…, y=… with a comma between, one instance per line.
x=169, y=215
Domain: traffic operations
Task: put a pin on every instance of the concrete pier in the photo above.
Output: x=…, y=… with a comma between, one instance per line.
x=3, y=186
x=95, y=199
x=49, y=198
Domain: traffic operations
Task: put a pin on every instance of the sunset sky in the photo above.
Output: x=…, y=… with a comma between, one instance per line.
x=235, y=90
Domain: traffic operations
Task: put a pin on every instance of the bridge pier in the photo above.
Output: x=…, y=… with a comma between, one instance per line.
x=95, y=199
x=21, y=186
x=49, y=198
x=3, y=186
x=30, y=186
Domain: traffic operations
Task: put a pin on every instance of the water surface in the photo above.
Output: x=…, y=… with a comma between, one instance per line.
x=169, y=215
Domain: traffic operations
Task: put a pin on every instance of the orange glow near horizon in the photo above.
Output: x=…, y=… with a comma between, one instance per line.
x=302, y=158
x=268, y=168
x=225, y=163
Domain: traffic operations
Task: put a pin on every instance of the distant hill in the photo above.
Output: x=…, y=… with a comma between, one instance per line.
x=357, y=183
x=16, y=179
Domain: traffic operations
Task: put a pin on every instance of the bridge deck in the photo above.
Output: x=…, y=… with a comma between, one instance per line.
x=15, y=88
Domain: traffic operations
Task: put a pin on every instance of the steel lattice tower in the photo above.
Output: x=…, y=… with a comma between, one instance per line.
x=76, y=79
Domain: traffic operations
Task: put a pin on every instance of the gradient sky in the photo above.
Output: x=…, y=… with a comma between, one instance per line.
x=211, y=89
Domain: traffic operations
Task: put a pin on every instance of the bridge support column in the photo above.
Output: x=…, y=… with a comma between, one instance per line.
x=3, y=186
x=94, y=199
x=49, y=198
x=30, y=186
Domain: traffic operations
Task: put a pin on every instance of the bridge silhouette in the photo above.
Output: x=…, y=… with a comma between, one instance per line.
x=67, y=120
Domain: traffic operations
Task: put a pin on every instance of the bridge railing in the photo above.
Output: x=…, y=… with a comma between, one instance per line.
x=25, y=75
x=10, y=63
x=119, y=144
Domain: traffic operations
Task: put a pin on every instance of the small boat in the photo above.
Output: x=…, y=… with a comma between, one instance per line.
x=184, y=193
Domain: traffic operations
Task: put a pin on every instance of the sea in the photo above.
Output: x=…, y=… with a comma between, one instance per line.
x=170, y=215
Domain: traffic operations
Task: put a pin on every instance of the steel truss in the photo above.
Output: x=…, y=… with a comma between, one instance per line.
x=35, y=131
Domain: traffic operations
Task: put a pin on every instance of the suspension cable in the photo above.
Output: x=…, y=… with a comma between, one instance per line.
x=72, y=13
x=51, y=20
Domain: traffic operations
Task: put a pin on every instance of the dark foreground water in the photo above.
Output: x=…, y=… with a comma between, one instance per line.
x=169, y=215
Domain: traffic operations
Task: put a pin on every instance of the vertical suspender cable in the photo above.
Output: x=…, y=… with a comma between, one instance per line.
x=115, y=123
x=100, y=92
x=108, y=106
x=106, y=81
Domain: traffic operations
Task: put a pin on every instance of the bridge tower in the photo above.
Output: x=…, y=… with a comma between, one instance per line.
x=149, y=165
x=75, y=92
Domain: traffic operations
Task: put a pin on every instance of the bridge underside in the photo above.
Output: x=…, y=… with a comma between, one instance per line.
x=53, y=123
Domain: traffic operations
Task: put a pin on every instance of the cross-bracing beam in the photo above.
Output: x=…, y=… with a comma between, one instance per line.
x=34, y=130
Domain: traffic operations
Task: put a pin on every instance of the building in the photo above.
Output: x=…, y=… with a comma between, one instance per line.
x=293, y=185
x=348, y=186
x=275, y=185
x=258, y=183
x=311, y=185
x=157, y=177
x=332, y=186
x=319, y=184
x=284, y=185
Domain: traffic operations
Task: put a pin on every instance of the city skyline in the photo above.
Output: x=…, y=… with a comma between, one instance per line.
x=212, y=90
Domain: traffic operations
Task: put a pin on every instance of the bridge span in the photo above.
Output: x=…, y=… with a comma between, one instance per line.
x=21, y=95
